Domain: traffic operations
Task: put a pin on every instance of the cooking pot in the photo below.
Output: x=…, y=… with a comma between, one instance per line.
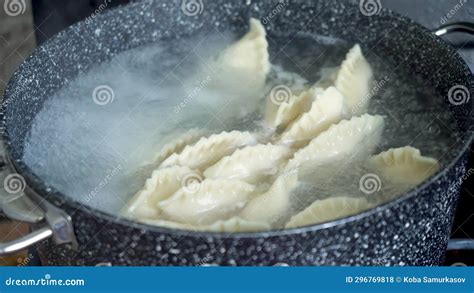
x=412, y=229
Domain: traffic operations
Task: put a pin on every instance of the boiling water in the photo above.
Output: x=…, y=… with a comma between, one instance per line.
x=93, y=136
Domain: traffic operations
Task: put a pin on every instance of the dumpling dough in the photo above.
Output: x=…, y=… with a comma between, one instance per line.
x=325, y=111
x=162, y=184
x=214, y=200
x=271, y=206
x=345, y=140
x=251, y=164
x=209, y=150
x=353, y=81
x=404, y=165
x=248, y=56
x=281, y=114
x=170, y=224
x=234, y=224
x=178, y=143
x=328, y=209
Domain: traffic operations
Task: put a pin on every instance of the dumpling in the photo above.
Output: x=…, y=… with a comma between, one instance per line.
x=248, y=56
x=252, y=164
x=345, y=140
x=162, y=184
x=209, y=150
x=177, y=144
x=328, y=209
x=325, y=111
x=236, y=78
x=236, y=224
x=170, y=224
x=404, y=165
x=213, y=200
x=280, y=114
x=271, y=206
x=353, y=81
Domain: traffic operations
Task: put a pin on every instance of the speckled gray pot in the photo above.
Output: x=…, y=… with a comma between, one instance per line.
x=412, y=230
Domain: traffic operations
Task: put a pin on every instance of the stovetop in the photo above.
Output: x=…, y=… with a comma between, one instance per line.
x=51, y=16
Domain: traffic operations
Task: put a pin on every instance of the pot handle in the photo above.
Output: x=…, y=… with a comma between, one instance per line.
x=52, y=221
x=26, y=241
x=462, y=27
x=31, y=208
x=461, y=244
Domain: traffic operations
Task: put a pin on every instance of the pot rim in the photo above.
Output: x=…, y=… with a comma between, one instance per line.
x=36, y=184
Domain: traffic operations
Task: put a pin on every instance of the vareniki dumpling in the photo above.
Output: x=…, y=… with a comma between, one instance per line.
x=208, y=202
x=234, y=224
x=162, y=184
x=353, y=80
x=248, y=56
x=328, y=209
x=325, y=111
x=347, y=139
x=404, y=165
x=177, y=144
x=209, y=150
x=251, y=164
x=271, y=205
x=280, y=113
x=170, y=224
